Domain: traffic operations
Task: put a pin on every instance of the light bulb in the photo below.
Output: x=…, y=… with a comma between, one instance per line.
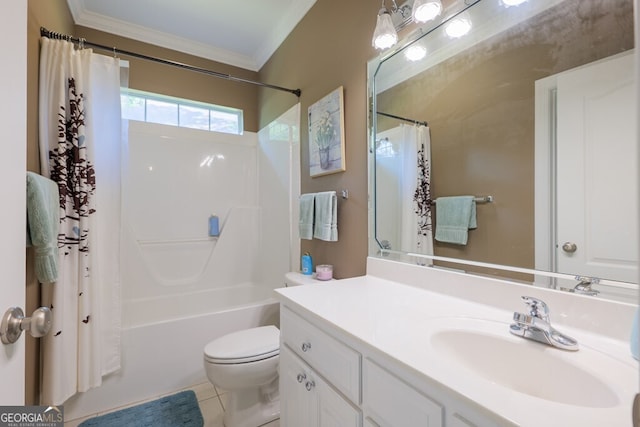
x=415, y=52
x=426, y=10
x=385, y=34
x=458, y=27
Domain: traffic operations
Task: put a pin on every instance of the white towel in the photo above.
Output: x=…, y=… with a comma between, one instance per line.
x=305, y=224
x=326, y=218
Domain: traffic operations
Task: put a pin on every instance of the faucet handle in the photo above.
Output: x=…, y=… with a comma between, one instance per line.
x=537, y=307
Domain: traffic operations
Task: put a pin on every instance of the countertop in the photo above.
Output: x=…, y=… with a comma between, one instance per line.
x=398, y=319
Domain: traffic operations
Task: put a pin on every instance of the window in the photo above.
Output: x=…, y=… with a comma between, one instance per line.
x=167, y=110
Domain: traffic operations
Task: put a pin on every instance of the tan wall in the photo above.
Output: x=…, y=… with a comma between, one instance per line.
x=54, y=15
x=158, y=78
x=329, y=48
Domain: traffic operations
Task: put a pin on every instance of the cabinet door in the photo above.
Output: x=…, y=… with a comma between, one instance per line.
x=333, y=410
x=297, y=408
x=390, y=402
x=306, y=400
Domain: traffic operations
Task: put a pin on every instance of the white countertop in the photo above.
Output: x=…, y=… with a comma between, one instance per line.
x=398, y=319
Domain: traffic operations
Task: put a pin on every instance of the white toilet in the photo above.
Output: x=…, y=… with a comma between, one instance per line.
x=245, y=364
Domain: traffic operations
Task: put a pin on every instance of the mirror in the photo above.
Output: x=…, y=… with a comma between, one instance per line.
x=534, y=107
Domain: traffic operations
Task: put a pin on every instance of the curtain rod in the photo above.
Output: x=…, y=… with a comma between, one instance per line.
x=417, y=122
x=82, y=42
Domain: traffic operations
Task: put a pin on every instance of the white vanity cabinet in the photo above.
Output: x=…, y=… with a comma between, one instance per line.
x=319, y=377
x=308, y=400
x=326, y=380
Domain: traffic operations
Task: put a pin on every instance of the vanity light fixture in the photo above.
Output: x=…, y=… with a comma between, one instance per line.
x=458, y=26
x=426, y=10
x=415, y=52
x=385, y=35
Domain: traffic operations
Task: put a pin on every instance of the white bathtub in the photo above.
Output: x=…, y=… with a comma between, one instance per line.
x=169, y=308
x=161, y=356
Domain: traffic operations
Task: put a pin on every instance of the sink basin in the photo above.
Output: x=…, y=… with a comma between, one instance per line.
x=487, y=350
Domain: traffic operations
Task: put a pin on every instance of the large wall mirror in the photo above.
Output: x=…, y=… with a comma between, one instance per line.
x=533, y=113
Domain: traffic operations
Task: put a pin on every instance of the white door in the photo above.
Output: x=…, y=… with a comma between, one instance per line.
x=13, y=45
x=597, y=220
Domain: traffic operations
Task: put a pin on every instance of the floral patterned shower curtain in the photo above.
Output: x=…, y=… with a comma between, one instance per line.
x=79, y=116
x=415, y=154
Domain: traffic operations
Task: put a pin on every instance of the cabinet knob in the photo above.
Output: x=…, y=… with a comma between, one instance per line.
x=306, y=346
x=309, y=385
x=301, y=377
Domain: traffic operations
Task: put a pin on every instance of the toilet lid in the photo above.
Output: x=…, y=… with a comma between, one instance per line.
x=244, y=346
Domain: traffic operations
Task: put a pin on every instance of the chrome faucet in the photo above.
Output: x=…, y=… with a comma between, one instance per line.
x=584, y=287
x=536, y=326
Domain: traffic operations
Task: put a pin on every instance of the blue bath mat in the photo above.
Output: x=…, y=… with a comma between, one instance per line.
x=178, y=410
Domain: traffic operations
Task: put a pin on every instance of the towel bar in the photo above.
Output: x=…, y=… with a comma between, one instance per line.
x=479, y=199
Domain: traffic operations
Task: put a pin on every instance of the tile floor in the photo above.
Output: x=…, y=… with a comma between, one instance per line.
x=211, y=405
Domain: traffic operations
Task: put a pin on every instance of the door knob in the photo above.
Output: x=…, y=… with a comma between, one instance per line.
x=569, y=247
x=14, y=322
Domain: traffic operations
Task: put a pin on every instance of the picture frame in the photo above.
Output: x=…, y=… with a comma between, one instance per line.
x=326, y=135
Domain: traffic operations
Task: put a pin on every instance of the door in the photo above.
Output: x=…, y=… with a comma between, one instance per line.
x=597, y=185
x=13, y=45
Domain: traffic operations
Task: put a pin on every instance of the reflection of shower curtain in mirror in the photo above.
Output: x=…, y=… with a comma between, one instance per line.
x=415, y=153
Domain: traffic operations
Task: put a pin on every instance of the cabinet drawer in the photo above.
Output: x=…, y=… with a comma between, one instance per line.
x=339, y=364
x=391, y=402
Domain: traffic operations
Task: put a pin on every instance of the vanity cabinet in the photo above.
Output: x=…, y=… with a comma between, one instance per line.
x=319, y=377
x=329, y=380
x=308, y=400
x=331, y=358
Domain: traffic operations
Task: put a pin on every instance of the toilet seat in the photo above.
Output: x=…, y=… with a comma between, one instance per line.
x=244, y=346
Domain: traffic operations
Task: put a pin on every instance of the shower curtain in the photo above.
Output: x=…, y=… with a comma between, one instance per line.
x=79, y=125
x=415, y=151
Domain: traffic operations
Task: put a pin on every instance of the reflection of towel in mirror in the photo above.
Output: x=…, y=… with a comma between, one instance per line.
x=326, y=219
x=43, y=217
x=455, y=216
x=305, y=224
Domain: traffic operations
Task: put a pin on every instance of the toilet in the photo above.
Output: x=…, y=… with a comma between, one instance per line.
x=245, y=364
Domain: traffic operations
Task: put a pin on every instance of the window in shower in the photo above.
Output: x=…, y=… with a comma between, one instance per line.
x=167, y=110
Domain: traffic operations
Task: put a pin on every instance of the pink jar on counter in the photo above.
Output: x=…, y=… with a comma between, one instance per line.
x=324, y=272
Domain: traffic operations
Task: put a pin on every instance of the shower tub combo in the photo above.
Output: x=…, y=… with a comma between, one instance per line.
x=182, y=288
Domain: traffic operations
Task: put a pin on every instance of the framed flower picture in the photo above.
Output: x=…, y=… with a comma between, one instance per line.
x=326, y=135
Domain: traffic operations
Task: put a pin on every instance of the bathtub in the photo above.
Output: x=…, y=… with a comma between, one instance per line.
x=170, y=308
x=162, y=354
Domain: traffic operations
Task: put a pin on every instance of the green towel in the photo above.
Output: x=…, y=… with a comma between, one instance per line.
x=43, y=218
x=455, y=216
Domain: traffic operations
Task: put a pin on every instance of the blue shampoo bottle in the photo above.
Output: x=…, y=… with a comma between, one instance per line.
x=307, y=264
